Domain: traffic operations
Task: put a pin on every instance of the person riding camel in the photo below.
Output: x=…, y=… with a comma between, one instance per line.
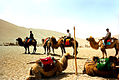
x=31, y=35
x=108, y=36
x=68, y=35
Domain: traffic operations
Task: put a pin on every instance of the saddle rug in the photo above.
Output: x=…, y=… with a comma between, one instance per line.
x=28, y=40
x=103, y=64
x=109, y=41
x=47, y=63
x=46, y=40
x=67, y=42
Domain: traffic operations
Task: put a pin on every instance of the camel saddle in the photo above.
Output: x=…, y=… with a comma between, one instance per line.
x=46, y=40
x=103, y=64
x=28, y=40
x=67, y=42
x=47, y=63
x=109, y=41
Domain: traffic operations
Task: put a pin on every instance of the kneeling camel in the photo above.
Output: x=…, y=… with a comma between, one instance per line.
x=37, y=72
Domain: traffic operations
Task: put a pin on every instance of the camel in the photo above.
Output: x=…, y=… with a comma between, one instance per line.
x=37, y=72
x=27, y=44
x=96, y=45
x=46, y=45
x=92, y=69
x=60, y=43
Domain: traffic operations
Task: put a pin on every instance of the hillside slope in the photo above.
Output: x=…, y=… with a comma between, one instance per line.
x=9, y=32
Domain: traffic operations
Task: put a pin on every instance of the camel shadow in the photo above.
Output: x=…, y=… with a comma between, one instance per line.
x=60, y=76
x=37, y=54
x=55, y=55
x=80, y=58
x=34, y=53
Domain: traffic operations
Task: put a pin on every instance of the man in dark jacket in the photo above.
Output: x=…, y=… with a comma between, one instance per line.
x=108, y=36
x=31, y=35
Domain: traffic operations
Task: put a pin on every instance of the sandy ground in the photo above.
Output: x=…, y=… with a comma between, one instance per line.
x=13, y=63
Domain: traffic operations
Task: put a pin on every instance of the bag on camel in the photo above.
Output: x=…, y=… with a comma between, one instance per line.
x=103, y=64
x=47, y=63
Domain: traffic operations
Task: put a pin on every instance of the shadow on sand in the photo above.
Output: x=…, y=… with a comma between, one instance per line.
x=60, y=76
x=34, y=53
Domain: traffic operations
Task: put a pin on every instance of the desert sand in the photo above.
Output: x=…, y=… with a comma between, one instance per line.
x=13, y=61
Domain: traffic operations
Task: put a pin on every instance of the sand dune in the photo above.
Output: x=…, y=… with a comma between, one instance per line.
x=9, y=32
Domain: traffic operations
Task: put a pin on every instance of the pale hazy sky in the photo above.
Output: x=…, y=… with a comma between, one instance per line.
x=90, y=17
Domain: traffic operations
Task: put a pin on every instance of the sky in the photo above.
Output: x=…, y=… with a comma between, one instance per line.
x=90, y=17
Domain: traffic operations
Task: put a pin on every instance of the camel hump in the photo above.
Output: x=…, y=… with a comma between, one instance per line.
x=48, y=63
x=54, y=40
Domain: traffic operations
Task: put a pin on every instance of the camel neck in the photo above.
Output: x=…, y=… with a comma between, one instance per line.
x=64, y=61
x=94, y=44
x=21, y=43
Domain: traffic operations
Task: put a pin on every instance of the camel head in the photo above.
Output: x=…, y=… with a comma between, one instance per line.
x=68, y=56
x=19, y=41
x=93, y=43
x=90, y=39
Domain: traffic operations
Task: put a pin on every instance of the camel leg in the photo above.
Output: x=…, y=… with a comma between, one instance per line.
x=53, y=50
x=44, y=49
x=103, y=50
x=106, y=53
x=34, y=50
x=62, y=50
x=25, y=50
x=28, y=50
x=48, y=50
x=32, y=78
x=117, y=50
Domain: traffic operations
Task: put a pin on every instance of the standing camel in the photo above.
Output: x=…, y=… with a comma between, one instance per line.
x=37, y=71
x=96, y=45
x=26, y=44
x=60, y=43
x=46, y=45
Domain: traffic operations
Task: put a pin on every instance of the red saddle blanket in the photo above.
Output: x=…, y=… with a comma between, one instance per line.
x=48, y=63
x=67, y=42
x=46, y=40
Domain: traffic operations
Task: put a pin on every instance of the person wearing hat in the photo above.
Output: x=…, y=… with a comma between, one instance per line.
x=108, y=36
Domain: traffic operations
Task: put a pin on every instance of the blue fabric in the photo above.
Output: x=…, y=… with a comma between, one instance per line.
x=108, y=43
